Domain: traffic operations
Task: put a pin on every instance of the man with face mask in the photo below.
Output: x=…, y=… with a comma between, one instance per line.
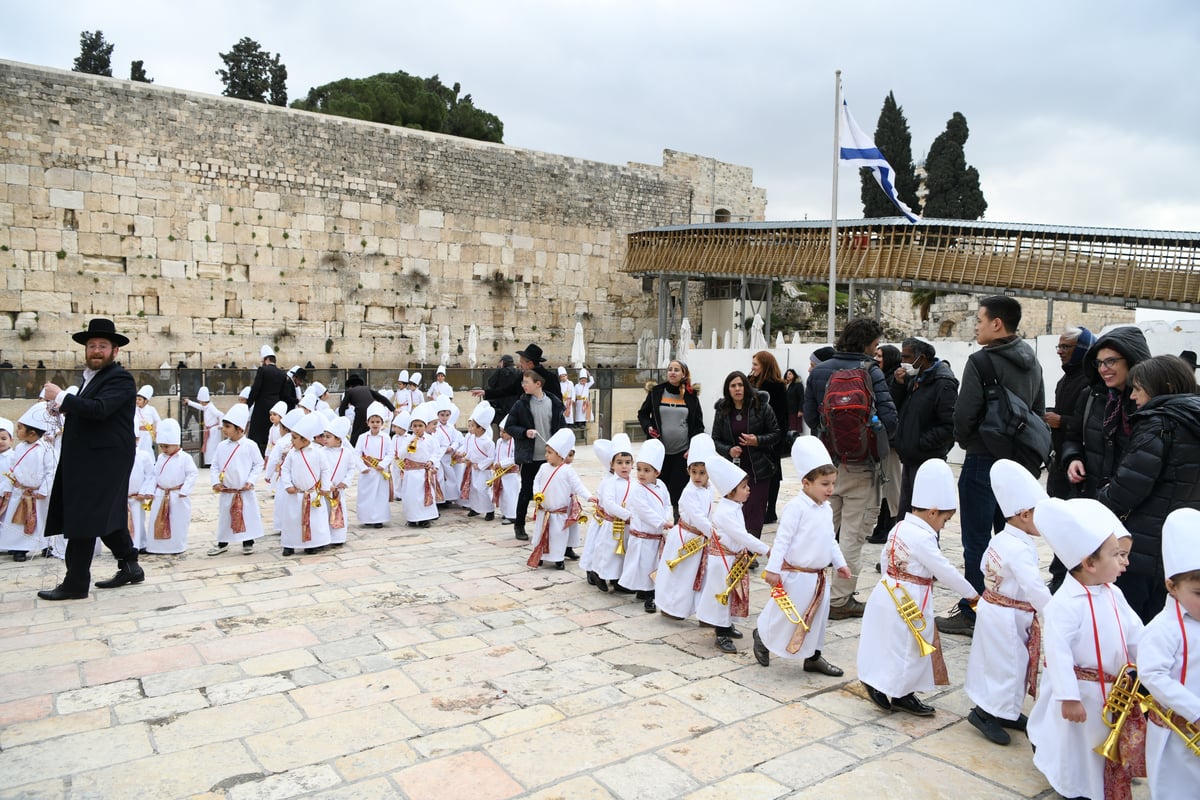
x=925, y=390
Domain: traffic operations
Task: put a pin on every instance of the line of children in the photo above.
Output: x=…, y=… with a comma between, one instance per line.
x=171, y=485
x=449, y=442
x=25, y=486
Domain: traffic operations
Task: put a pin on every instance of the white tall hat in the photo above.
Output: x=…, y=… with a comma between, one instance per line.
x=292, y=370
x=1015, y=488
x=700, y=449
x=308, y=402
x=502, y=423
x=244, y=393
x=339, y=427
x=265, y=351
x=934, y=486
x=1073, y=528
x=443, y=403
x=621, y=444
x=146, y=391
x=602, y=450
x=6, y=424
x=377, y=409
x=312, y=426
x=168, y=432
x=202, y=395
x=723, y=474
x=279, y=408
x=562, y=372
x=651, y=452
x=583, y=373
x=388, y=393
x=483, y=414
x=403, y=420
x=328, y=413
x=441, y=370
x=808, y=453
x=317, y=388
x=239, y=415
x=563, y=441
x=414, y=378
x=292, y=418
x=426, y=412
x=402, y=377
x=36, y=416
x=1179, y=540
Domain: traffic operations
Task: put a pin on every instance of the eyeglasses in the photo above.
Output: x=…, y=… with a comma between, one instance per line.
x=1063, y=348
x=1107, y=363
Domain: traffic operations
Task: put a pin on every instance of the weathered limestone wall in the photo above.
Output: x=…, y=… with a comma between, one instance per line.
x=208, y=226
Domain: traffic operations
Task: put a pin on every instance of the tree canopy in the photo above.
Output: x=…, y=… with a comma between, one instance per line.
x=894, y=140
x=95, y=54
x=954, y=190
x=397, y=98
x=137, y=72
x=252, y=74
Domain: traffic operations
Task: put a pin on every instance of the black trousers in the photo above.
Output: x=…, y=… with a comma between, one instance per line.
x=79, y=558
x=529, y=471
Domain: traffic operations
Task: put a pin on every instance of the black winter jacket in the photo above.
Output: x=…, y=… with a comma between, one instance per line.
x=818, y=379
x=1086, y=440
x=1069, y=394
x=1159, y=473
x=649, y=417
x=758, y=462
x=926, y=428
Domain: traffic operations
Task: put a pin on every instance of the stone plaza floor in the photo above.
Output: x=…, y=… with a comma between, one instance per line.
x=433, y=663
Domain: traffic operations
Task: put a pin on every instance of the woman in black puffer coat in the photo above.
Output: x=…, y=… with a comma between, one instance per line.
x=746, y=432
x=1159, y=473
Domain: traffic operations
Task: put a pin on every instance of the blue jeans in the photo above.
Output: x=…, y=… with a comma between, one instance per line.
x=980, y=516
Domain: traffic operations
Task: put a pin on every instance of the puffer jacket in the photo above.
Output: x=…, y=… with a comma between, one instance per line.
x=1086, y=440
x=1017, y=368
x=1159, y=473
x=926, y=428
x=760, y=465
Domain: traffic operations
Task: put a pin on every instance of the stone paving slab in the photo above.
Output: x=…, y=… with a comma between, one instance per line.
x=437, y=665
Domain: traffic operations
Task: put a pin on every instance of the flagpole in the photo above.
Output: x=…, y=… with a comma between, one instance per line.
x=837, y=113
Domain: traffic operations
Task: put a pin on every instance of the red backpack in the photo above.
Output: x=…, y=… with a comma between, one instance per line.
x=846, y=416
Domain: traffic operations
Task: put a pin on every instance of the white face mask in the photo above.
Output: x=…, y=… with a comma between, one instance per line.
x=909, y=369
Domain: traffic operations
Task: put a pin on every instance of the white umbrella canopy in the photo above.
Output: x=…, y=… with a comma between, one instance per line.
x=796, y=337
x=578, y=348
x=779, y=340
x=739, y=339
x=714, y=338
x=445, y=356
x=758, y=341
x=664, y=353
x=473, y=346
x=422, y=345
x=728, y=340
x=640, y=353
x=685, y=340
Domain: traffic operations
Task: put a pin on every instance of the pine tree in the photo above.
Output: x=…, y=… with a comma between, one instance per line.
x=137, y=72
x=894, y=140
x=251, y=74
x=95, y=54
x=954, y=191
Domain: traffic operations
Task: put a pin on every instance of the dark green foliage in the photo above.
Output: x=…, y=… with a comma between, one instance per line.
x=137, y=72
x=397, y=98
x=954, y=191
x=95, y=54
x=894, y=140
x=252, y=74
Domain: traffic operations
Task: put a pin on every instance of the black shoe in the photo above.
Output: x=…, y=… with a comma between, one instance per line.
x=288, y=551
x=505, y=521
x=491, y=515
x=602, y=584
x=127, y=572
x=522, y=535
x=559, y=565
x=20, y=555
x=472, y=513
x=423, y=523
x=877, y=538
x=725, y=644
x=753, y=564
x=46, y=552
x=571, y=554
x=989, y=726
x=591, y=576
x=1018, y=724
x=412, y=524
x=956, y=623
x=912, y=705
x=619, y=589
x=61, y=593
x=337, y=544
x=761, y=654
x=877, y=697
x=142, y=551
x=817, y=663
x=734, y=633
x=649, y=607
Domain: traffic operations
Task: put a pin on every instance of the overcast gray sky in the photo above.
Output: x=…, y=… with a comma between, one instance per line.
x=1081, y=113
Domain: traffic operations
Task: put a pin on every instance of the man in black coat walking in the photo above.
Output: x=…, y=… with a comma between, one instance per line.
x=510, y=390
x=88, y=497
x=271, y=384
x=359, y=395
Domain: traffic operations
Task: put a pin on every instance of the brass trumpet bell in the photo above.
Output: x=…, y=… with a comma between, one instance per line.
x=910, y=612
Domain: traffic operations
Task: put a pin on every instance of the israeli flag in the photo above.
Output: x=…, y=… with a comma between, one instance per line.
x=859, y=150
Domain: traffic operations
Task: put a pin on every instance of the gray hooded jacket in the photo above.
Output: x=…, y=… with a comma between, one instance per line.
x=1017, y=369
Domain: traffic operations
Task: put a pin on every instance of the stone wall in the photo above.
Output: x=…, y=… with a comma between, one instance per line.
x=208, y=226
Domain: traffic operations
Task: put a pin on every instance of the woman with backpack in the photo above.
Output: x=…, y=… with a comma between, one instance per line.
x=746, y=432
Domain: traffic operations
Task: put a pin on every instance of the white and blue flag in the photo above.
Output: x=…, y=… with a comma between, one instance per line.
x=859, y=150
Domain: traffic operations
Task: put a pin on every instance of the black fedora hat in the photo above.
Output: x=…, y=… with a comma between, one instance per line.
x=101, y=328
x=533, y=353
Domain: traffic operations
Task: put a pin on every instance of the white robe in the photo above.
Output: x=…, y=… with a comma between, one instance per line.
x=673, y=592
x=235, y=465
x=510, y=484
x=568, y=397
x=169, y=472
x=33, y=466
x=558, y=485
x=998, y=661
x=805, y=539
x=480, y=453
x=729, y=529
x=888, y=656
x=145, y=423
x=608, y=564
x=582, y=414
x=306, y=469
x=591, y=542
x=373, y=488
x=440, y=389
x=427, y=450
x=273, y=468
x=447, y=438
x=1172, y=770
x=210, y=429
x=141, y=481
x=651, y=510
x=1064, y=748
x=341, y=469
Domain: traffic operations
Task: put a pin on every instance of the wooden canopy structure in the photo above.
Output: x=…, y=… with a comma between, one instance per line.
x=1134, y=268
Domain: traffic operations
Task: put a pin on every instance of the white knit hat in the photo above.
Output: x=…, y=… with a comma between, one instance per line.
x=700, y=449
x=312, y=426
x=602, y=450
x=483, y=414
x=562, y=442
x=377, y=409
x=202, y=396
x=934, y=486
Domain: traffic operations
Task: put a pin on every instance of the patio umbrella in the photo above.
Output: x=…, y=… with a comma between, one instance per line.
x=685, y=340
x=445, y=357
x=472, y=345
x=714, y=338
x=422, y=346
x=757, y=340
x=578, y=349
x=779, y=340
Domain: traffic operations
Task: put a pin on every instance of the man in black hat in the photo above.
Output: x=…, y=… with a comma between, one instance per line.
x=269, y=387
x=359, y=395
x=508, y=392
x=88, y=497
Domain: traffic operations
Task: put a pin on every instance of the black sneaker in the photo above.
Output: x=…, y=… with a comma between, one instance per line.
x=956, y=623
x=989, y=726
x=491, y=515
x=761, y=654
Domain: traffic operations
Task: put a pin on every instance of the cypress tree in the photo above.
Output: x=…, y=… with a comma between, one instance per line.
x=894, y=140
x=954, y=191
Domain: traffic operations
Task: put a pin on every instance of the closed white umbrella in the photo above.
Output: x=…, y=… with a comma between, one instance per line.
x=422, y=345
x=445, y=357
x=796, y=337
x=779, y=340
x=685, y=340
x=578, y=349
x=473, y=345
x=739, y=339
x=728, y=340
x=714, y=338
x=758, y=340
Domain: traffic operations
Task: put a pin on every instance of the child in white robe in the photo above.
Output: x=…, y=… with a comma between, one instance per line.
x=568, y=395
x=305, y=481
x=478, y=455
x=275, y=415
x=506, y=490
x=402, y=399
x=439, y=388
x=891, y=665
x=805, y=546
x=25, y=486
x=401, y=438
x=341, y=458
x=675, y=589
x=1165, y=661
x=419, y=457
x=145, y=421
x=415, y=396
x=237, y=466
x=1003, y=666
x=274, y=467
x=651, y=515
x=172, y=484
x=1087, y=617
x=602, y=449
x=140, y=493
x=558, y=496
x=583, y=405
x=729, y=542
x=614, y=509
x=7, y=429
x=210, y=423
x=449, y=442
x=374, y=475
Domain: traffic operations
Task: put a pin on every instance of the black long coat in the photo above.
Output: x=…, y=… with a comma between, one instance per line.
x=88, y=497
x=268, y=389
x=361, y=397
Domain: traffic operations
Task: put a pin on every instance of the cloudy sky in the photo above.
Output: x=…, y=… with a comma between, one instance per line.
x=1081, y=113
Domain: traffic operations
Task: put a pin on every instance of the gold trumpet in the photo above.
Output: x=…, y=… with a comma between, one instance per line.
x=146, y=504
x=784, y=601
x=1122, y=698
x=738, y=571
x=910, y=612
x=619, y=536
x=497, y=474
x=583, y=519
x=1188, y=731
x=690, y=548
